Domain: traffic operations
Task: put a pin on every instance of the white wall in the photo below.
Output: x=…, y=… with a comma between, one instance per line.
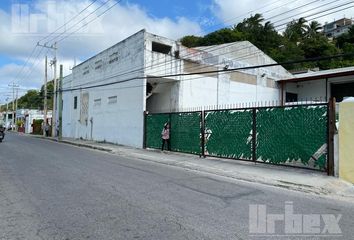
x=199, y=91
x=315, y=89
x=120, y=122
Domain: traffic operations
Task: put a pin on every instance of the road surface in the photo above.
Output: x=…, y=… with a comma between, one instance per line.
x=50, y=190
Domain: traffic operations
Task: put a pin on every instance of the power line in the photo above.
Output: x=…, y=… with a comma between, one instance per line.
x=56, y=37
x=201, y=53
x=165, y=63
x=78, y=29
x=70, y=28
x=215, y=71
x=330, y=13
x=315, y=8
x=71, y=19
x=34, y=48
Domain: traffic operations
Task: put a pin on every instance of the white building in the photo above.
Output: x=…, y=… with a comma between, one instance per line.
x=337, y=28
x=29, y=115
x=105, y=97
x=319, y=85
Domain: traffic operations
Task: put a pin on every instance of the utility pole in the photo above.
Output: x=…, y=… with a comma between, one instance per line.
x=60, y=107
x=16, y=106
x=54, y=117
x=7, y=110
x=13, y=106
x=13, y=85
x=45, y=96
x=54, y=62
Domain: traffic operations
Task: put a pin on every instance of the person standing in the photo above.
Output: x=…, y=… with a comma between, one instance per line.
x=165, y=135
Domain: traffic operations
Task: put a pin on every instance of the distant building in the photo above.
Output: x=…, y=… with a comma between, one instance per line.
x=337, y=28
x=29, y=115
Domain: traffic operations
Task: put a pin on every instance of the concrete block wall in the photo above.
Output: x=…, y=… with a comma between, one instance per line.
x=346, y=138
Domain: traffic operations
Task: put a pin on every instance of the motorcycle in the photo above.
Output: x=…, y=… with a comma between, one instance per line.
x=2, y=133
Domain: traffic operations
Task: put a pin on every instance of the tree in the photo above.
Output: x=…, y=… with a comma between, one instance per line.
x=225, y=35
x=30, y=100
x=295, y=30
x=34, y=99
x=313, y=29
x=300, y=40
x=346, y=38
x=319, y=46
x=191, y=41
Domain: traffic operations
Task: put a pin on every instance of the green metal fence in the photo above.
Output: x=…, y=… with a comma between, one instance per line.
x=228, y=133
x=154, y=125
x=294, y=135
x=184, y=131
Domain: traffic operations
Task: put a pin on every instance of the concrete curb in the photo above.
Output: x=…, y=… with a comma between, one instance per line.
x=321, y=191
x=73, y=143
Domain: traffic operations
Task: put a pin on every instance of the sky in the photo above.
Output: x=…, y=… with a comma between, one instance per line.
x=23, y=23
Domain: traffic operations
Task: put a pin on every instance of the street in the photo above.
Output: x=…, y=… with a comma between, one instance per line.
x=50, y=190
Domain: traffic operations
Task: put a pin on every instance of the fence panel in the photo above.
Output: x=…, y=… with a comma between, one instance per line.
x=296, y=135
x=154, y=125
x=185, y=132
x=228, y=133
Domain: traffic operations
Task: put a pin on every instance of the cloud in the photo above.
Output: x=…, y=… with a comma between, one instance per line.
x=231, y=12
x=18, y=38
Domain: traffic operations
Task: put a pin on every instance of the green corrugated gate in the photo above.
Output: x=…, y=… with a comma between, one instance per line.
x=295, y=135
x=228, y=134
x=154, y=125
x=184, y=134
x=292, y=134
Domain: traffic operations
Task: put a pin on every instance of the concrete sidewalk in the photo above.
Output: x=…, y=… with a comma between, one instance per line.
x=286, y=177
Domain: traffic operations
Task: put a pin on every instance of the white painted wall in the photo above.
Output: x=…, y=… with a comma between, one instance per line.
x=120, y=122
x=315, y=89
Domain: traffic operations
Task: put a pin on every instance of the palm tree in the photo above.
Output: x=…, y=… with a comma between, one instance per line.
x=255, y=21
x=301, y=26
x=313, y=29
x=295, y=30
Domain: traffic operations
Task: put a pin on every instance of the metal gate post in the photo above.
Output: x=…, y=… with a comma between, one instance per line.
x=202, y=134
x=254, y=134
x=171, y=129
x=331, y=114
x=144, y=129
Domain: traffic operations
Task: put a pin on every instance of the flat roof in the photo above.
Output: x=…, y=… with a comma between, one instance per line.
x=337, y=72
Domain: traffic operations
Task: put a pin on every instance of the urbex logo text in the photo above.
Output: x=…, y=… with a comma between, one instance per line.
x=50, y=17
x=289, y=224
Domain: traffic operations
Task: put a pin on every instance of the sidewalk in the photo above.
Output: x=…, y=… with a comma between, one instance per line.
x=286, y=177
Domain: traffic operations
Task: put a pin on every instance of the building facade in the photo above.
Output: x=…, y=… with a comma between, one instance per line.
x=319, y=85
x=105, y=97
x=337, y=28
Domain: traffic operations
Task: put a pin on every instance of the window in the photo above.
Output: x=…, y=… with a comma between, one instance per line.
x=161, y=48
x=98, y=64
x=75, y=102
x=86, y=70
x=291, y=97
x=112, y=100
x=113, y=58
x=97, y=102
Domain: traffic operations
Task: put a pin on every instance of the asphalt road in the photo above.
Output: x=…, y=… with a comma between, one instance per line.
x=56, y=191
